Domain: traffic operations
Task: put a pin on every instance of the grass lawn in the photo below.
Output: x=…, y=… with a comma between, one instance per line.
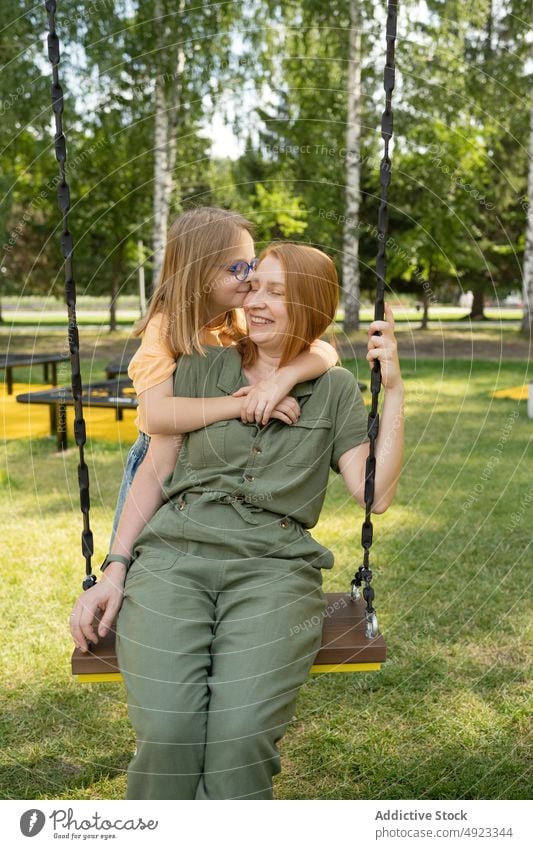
x=126, y=318
x=446, y=718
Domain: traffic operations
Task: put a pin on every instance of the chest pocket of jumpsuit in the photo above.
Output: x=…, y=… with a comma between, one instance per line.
x=308, y=441
x=207, y=446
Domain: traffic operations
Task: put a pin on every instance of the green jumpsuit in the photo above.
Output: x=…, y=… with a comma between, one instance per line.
x=223, y=603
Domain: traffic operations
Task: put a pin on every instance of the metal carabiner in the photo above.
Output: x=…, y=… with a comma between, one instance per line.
x=371, y=628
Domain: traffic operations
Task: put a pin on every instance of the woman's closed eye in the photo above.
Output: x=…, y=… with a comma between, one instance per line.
x=254, y=287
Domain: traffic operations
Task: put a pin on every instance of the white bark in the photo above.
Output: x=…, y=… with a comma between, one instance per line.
x=175, y=98
x=166, y=121
x=527, y=320
x=160, y=179
x=350, y=259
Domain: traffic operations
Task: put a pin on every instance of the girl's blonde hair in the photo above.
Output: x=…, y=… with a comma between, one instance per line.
x=199, y=241
x=312, y=296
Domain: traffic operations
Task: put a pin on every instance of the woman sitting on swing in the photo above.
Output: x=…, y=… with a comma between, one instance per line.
x=225, y=571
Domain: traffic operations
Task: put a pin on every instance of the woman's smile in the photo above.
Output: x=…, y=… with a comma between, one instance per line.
x=259, y=320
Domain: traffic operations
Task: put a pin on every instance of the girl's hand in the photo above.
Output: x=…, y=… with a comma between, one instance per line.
x=104, y=596
x=385, y=349
x=260, y=401
x=287, y=411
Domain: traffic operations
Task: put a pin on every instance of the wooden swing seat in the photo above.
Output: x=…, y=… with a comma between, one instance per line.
x=345, y=647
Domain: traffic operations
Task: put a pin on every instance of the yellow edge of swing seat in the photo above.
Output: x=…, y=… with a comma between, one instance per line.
x=99, y=677
x=344, y=667
x=110, y=677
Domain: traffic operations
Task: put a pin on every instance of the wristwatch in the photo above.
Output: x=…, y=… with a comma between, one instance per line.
x=115, y=558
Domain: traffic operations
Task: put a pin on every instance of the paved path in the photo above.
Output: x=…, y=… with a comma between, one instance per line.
x=478, y=344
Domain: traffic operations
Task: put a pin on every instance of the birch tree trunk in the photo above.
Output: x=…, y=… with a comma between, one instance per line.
x=160, y=150
x=166, y=122
x=350, y=255
x=175, y=100
x=160, y=181
x=527, y=319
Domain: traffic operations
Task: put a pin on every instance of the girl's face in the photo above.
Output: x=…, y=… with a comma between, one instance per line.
x=265, y=306
x=227, y=292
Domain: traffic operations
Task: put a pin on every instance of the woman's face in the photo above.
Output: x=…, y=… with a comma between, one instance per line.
x=227, y=292
x=265, y=306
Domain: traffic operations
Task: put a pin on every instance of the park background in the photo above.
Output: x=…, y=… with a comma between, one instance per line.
x=275, y=109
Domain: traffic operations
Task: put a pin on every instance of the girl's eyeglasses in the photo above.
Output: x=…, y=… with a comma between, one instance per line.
x=241, y=269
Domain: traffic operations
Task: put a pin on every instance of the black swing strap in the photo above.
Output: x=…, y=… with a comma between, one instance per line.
x=67, y=248
x=365, y=573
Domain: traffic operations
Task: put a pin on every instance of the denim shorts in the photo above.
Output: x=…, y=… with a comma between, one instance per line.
x=136, y=455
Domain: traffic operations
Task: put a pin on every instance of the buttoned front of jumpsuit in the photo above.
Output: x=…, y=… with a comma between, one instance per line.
x=223, y=604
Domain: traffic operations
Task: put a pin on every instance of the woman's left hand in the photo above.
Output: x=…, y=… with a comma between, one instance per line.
x=385, y=349
x=261, y=399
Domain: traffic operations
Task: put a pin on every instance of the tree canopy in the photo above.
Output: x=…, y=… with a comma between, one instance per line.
x=279, y=75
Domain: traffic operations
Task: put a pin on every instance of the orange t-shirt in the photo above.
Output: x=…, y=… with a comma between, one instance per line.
x=152, y=362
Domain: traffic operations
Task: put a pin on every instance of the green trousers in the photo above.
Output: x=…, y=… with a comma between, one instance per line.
x=220, y=623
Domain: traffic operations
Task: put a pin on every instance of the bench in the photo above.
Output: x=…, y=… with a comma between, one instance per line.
x=10, y=361
x=109, y=394
x=117, y=368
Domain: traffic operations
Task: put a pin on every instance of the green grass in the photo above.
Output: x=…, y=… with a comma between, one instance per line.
x=58, y=318
x=446, y=718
